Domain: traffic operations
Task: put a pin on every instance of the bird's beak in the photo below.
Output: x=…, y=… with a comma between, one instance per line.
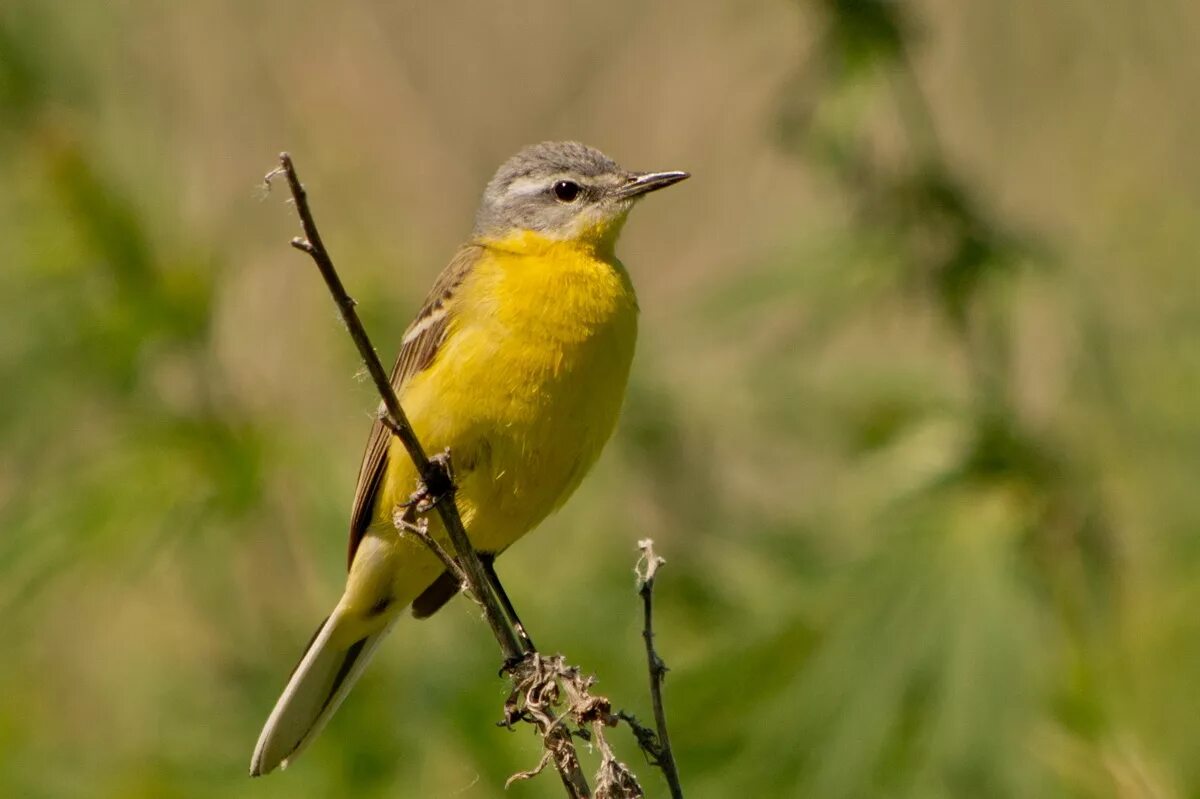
x=645, y=182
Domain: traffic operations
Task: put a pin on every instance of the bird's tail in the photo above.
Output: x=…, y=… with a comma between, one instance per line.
x=329, y=668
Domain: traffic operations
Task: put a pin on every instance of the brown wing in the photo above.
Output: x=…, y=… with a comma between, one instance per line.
x=421, y=342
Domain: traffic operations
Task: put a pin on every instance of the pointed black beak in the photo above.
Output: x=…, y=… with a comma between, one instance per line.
x=645, y=182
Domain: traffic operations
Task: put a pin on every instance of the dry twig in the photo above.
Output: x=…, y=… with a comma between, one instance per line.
x=420, y=530
x=664, y=758
x=437, y=487
x=541, y=686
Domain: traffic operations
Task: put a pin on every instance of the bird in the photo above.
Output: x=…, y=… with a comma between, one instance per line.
x=516, y=364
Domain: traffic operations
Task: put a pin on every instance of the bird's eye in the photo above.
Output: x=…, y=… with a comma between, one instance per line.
x=566, y=191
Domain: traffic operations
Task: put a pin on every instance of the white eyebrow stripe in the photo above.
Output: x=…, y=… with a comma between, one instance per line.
x=527, y=186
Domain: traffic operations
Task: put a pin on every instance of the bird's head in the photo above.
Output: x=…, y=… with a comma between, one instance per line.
x=563, y=191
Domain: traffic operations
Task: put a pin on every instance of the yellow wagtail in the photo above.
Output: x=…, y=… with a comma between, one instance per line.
x=516, y=363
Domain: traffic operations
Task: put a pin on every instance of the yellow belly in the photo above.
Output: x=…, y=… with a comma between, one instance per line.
x=524, y=392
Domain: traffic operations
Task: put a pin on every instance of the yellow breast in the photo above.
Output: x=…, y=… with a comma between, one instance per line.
x=528, y=385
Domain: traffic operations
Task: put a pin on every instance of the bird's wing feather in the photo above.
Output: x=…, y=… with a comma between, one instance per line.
x=422, y=341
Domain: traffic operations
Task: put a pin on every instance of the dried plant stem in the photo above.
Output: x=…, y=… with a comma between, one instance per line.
x=664, y=757
x=435, y=472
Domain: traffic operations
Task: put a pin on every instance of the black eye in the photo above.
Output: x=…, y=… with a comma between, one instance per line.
x=566, y=191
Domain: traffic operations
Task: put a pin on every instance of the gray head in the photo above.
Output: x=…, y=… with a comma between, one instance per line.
x=563, y=190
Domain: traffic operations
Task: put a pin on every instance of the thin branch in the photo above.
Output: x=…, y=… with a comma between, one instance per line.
x=646, y=569
x=434, y=472
x=420, y=529
x=647, y=739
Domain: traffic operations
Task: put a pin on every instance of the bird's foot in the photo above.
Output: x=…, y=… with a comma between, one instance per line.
x=436, y=484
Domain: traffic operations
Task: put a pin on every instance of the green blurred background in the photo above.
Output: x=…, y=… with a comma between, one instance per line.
x=913, y=417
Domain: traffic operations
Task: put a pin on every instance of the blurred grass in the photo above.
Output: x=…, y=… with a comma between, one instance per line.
x=913, y=418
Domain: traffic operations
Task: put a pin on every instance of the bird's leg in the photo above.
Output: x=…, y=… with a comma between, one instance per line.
x=489, y=566
x=438, y=484
x=435, y=485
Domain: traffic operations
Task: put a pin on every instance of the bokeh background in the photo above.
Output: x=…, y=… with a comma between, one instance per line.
x=913, y=417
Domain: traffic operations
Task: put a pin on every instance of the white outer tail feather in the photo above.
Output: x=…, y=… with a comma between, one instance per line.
x=312, y=695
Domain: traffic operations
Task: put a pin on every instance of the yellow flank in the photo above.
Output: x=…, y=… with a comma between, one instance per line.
x=524, y=391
